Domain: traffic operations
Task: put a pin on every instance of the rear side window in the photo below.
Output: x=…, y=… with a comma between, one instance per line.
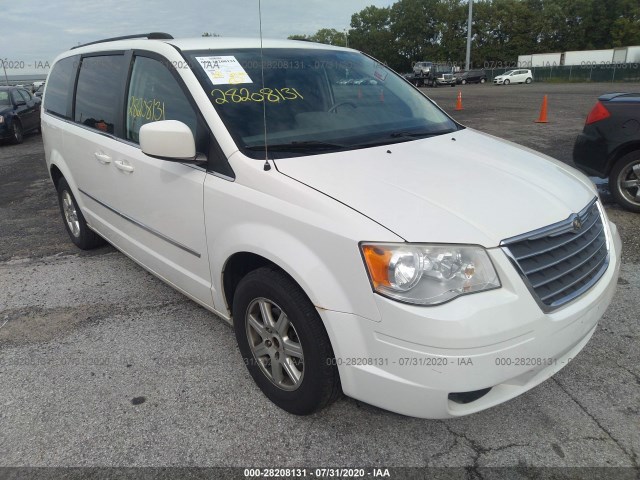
x=99, y=92
x=59, y=86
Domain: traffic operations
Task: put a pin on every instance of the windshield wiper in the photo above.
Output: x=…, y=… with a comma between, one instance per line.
x=417, y=134
x=402, y=136
x=307, y=145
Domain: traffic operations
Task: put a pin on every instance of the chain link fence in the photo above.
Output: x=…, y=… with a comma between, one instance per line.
x=622, y=72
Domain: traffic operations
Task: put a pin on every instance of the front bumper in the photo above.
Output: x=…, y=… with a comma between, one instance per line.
x=498, y=81
x=5, y=131
x=441, y=81
x=416, y=357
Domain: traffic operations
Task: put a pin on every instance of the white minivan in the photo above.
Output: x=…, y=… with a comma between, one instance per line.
x=357, y=238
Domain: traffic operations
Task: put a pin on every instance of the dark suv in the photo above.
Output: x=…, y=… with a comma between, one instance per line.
x=609, y=146
x=471, y=76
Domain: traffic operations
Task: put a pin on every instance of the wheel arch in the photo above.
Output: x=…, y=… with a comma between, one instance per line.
x=56, y=175
x=620, y=152
x=239, y=265
x=332, y=276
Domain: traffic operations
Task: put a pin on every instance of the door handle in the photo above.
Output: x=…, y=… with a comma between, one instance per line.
x=124, y=166
x=102, y=157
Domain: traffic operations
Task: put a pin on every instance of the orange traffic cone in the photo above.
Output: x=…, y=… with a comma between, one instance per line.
x=543, y=111
x=459, y=102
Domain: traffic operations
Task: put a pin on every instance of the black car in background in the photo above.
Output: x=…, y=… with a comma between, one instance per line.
x=19, y=113
x=471, y=76
x=609, y=146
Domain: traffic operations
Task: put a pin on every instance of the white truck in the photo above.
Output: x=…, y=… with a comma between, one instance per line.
x=581, y=57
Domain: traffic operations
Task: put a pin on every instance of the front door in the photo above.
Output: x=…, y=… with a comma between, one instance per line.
x=149, y=208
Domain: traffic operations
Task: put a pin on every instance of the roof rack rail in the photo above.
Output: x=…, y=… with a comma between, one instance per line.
x=150, y=36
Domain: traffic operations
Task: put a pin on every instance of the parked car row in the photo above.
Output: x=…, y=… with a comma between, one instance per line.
x=432, y=75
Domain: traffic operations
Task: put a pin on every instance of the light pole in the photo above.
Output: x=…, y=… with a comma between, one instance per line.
x=468, y=59
x=6, y=79
x=346, y=38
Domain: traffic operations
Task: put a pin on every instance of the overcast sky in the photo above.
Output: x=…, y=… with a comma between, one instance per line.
x=35, y=32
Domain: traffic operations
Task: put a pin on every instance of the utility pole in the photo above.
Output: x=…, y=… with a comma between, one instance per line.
x=346, y=38
x=468, y=59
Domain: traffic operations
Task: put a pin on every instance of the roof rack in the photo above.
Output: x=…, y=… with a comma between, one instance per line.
x=150, y=36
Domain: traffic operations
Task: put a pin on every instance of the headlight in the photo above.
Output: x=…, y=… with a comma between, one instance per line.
x=428, y=274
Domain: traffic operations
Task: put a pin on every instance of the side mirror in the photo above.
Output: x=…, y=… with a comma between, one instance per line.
x=19, y=103
x=168, y=140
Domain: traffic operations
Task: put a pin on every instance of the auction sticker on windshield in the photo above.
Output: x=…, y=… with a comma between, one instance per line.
x=224, y=70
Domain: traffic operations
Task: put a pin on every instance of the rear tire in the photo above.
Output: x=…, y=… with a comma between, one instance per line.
x=284, y=343
x=18, y=134
x=624, y=181
x=528, y=81
x=81, y=235
x=482, y=80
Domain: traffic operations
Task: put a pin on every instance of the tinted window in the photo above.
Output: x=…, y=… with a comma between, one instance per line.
x=154, y=94
x=15, y=96
x=4, y=98
x=59, y=85
x=314, y=100
x=26, y=95
x=99, y=91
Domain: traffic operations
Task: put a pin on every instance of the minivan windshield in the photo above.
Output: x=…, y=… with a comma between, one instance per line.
x=315, y=100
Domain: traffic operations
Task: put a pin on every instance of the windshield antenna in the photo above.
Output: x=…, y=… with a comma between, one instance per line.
x=267, y=167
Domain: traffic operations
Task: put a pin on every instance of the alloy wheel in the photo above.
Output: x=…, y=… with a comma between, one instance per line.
x=628, y=183
x=70, y=214
x=275, y=344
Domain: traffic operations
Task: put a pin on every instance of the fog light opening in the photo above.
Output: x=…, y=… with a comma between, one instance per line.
x=468, y=397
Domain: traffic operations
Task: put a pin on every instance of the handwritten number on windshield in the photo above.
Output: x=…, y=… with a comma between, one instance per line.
x=240, y=95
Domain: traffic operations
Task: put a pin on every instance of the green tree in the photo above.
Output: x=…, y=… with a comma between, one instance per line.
x=329, y=36
x=371, y=33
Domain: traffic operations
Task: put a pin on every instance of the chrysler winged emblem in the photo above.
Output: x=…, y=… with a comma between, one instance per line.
x=577, y=224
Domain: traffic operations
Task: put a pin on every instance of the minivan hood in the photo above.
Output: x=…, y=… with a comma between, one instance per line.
x=463, y=187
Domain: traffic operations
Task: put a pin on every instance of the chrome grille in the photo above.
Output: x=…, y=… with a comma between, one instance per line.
x=562, y=261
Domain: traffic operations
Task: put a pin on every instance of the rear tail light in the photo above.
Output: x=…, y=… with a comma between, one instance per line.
x=597, y=113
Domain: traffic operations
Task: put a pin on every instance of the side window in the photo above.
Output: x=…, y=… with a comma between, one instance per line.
x=154, y=94
x=99, y=91
x=16, y=97
x=26, y=95
x=59, y=85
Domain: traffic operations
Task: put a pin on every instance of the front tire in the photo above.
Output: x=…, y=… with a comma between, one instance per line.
x=506, y=82
x=284, y=343
x=463, y=82
x=624, y=181
x=81, y=235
